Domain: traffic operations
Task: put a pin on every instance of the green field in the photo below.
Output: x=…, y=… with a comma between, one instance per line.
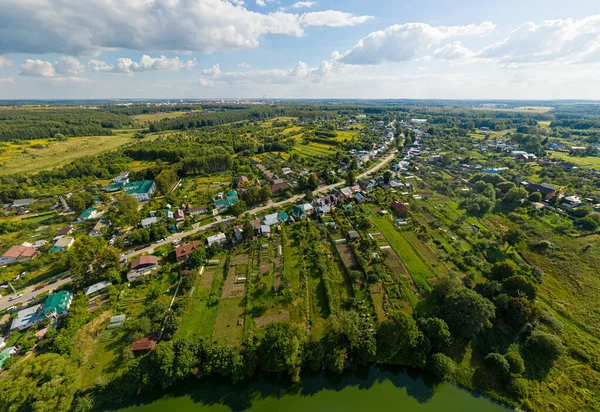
x=585, y=162
x=36, y=155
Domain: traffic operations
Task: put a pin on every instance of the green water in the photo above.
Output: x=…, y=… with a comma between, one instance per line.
x=371, y=389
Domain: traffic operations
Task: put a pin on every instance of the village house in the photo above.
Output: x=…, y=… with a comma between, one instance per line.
x=87, y=214
x=67, y=230
x=62, y=244
x=302, y=211
x=17, y=254
x=398, y=207
x=242, y=181
x=183, y=251
x=142, y=190
x=97, y=287
x=149, y=221
x=179, y=215
x=97, y=230
x=197, y=210
x=238, y=233
x=56, y=305
x=143, y=345
x=141, y=267
x=122, y=177
x=219, y=238
x=230, y=199
x=545, y=189
x=279, y=185
x=21, y=203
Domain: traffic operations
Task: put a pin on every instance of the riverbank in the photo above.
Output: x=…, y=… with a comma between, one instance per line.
x=381, y=386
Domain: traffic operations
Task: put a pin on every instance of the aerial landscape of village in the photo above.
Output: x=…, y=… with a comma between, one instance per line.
x=281, y=205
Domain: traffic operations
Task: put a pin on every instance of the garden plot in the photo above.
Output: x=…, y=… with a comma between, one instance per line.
x=347, y=256
x=278, y=317
x=235, y=283
x=229, y=325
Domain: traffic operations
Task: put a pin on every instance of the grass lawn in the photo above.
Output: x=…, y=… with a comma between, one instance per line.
x=24, y=158
x=199, y=319
x=227, y=330
x=585, y=162
x=416, y=266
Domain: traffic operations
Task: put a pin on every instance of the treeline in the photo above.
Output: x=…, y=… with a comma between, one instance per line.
x=579, y=124
x=214, y=119
x=431, y=339
x=27, y=124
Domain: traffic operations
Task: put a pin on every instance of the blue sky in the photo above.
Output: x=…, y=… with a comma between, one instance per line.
x=463, y=49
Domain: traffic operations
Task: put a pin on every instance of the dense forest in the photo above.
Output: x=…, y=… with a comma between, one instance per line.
x=26, y=124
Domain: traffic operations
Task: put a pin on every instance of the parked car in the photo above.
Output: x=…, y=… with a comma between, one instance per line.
x=53, y=281
x=38, y=287
x=13, y=297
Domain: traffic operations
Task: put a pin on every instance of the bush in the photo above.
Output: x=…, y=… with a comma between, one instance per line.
x=586, y=223
x=516, y=363
x=540, y=351
x=442, y=366
x=497, y=366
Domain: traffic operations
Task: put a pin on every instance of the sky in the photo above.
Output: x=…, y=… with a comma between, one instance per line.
x=460, y=49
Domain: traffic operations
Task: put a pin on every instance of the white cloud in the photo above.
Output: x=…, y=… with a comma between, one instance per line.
x=125, y=65
x=37, y=68
x=244, y=65
x=332, y=18
x=77, y=27
x=453, y=51
x=4, y=61
x=69, y=66
x=214, y=76
x=66, y=67
x=406, y=42
x=568, y=40
x=7, y=80
x=303, y=4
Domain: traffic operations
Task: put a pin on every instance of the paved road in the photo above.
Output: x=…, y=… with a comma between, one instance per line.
x=29, y=293
x=322, y=189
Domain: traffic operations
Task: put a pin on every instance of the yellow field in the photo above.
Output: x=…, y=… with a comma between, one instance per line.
x=153, y=117
x=345, y=135
x=522, y=109
x=26, y=158
x=291, y=130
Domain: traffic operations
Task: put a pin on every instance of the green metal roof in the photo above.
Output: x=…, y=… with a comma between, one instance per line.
x=283, y=216
x=57, y=302
x=139, y=187
x=88, y=212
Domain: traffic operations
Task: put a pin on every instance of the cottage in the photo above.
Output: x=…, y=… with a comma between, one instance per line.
x=398, y=207
x=21, y=203
x=184, y=251
x=26, y=318
x=242, y=181
x=272, y=219
x=149, y=221
x=359, y=198
x=179, y=215
x=301, y=211
x=67, y=230
x=197, y=210
x=545, y=189
x=96, y=287
x=87, y=214
x=143, y=345
x=144, y=262
x=123, y=177
x=572, y=201
x=278, y=186
x=57, y=304
x=353, y=235
x=238, y=233
x=219, y=238
x=62, y=244
x=142, y=190
x=98, y=229
x=141, y=267
x=18, y=254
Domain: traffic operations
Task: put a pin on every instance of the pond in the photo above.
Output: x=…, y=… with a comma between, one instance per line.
x=375, y=387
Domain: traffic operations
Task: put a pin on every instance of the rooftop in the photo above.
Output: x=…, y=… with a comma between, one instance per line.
x=138, y=187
